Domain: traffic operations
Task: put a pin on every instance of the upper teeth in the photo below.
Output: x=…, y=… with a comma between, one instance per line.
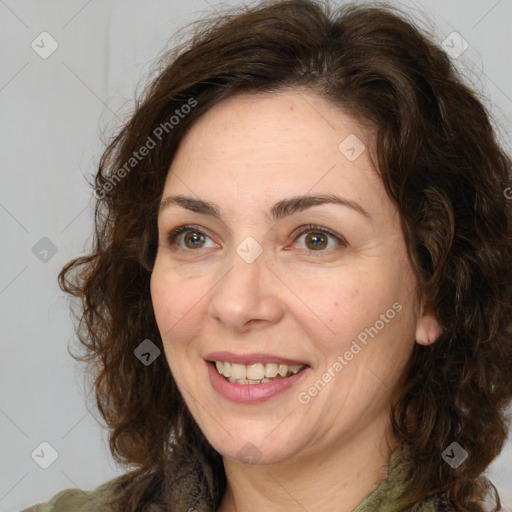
x=256, y=371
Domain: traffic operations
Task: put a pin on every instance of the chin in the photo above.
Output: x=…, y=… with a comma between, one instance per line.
x=253, y=447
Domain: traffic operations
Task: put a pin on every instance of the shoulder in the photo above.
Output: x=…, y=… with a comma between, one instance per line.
x=76, y=500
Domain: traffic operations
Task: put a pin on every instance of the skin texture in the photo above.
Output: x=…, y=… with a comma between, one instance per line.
x=294, y=300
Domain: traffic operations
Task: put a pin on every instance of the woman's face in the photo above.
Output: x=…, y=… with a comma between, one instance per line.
x=250, y=282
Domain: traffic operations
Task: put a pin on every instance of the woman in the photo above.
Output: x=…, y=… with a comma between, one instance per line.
x=299, y=292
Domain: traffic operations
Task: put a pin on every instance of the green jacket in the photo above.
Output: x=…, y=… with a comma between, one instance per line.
x=382, y=497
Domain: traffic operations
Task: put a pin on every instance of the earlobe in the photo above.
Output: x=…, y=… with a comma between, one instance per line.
x=427, y=329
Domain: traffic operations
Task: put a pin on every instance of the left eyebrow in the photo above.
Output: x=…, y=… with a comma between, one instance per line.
x=279, y=210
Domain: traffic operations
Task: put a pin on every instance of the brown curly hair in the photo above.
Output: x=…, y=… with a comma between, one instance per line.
x=439, y=159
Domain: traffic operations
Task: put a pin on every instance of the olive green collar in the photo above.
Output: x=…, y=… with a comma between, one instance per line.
x=188, y=484
x=387, y=495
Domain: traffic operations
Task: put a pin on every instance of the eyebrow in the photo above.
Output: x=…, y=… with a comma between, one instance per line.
x=279, y=210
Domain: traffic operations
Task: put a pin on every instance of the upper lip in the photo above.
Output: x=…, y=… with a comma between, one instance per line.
x=247, y=359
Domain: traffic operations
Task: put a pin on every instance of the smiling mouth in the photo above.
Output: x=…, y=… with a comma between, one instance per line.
x=258, y=373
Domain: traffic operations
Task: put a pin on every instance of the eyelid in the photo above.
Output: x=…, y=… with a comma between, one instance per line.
x=173, y=234
x=309, y=228
x=171, y=237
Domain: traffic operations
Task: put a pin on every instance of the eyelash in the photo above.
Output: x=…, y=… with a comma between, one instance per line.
x=171, y=238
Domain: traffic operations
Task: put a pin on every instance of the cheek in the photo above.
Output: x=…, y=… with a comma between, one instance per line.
x=174, y=304
x=362, y=305
x=171, y=296
x=342, y=301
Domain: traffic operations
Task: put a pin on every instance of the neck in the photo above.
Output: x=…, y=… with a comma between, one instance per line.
x=330, y=478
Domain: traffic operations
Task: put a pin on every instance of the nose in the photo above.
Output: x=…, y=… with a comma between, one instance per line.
x=246, y=295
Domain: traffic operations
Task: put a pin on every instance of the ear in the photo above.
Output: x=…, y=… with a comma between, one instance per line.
x=427, y=328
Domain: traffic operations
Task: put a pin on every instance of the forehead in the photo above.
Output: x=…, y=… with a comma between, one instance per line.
x=281, y=127
x=273, y=126
x=267, y=146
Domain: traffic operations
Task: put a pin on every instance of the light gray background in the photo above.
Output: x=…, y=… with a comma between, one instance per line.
x=53, y=112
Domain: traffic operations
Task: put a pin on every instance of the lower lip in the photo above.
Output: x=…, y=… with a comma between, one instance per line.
x=251, y=393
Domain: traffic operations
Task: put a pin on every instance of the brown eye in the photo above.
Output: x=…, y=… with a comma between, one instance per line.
x=193, y=239
x=316, y=241
x=187, y=237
